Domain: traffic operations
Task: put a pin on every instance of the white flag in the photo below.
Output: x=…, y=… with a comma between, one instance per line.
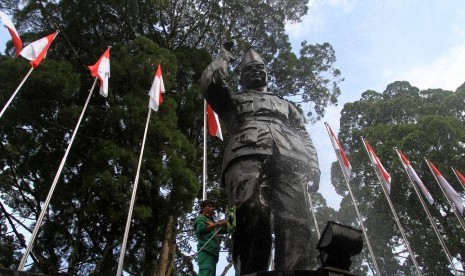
x=414, y=177
x=101, y=70
x=385, y=177
x=450, y=192
x=156, y=90
x=37, y=50
x=12, y=30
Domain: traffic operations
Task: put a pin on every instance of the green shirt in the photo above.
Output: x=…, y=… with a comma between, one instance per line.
x=203, y=235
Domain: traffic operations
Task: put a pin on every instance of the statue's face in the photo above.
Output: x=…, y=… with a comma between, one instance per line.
x=254, y=75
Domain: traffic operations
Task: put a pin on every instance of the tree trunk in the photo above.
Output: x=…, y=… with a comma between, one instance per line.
x=164, y=259
x=173, y=255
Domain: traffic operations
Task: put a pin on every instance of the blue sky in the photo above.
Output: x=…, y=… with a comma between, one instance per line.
x=378, y=42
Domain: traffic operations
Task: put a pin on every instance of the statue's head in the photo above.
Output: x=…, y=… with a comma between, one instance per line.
x=253, y=71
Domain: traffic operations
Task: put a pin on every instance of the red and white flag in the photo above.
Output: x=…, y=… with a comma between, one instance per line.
x=156, y=90
x=460, y=177
x=450, y=192
x=36, y=51
x=341, y=156
x=101, y=70
x=414, y=177
x=214, y=127
x=384, y=176
x=12, y=30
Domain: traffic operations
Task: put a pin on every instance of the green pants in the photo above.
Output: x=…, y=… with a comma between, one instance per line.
x=207, y=264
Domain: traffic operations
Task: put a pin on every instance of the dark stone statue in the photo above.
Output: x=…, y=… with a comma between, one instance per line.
x=269, y=166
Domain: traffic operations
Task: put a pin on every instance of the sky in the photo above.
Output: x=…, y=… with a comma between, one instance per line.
x=376, y=43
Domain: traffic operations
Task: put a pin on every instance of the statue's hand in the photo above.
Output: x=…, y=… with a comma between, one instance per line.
x=225, y=53
x=315, y=178
x=219, y=75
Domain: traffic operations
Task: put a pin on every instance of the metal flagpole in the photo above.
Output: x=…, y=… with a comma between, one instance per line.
x=360, y=219
x=314, y=216
x=454, y=209
x=204, y=172
x=52, y=188
x=441, y=240
x=393, y=211
x=460, y=181
x=133, y=199
x=16, y=91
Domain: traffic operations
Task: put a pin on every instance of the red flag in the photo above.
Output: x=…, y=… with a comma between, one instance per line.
x=414, y=177
x=341, y=156
x=156, y=90
x=450, y=192
x=12, y=30
x=36, y=51
x=384, y=176
x=214, y=127
x=460, y=177
x=101, y=70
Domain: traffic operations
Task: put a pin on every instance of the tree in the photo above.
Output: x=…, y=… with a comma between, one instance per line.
x=423, y=124
x=83, y=229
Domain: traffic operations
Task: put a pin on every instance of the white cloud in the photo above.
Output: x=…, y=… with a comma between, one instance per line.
x=316, y=20
x=345, y=6
x=446, y=72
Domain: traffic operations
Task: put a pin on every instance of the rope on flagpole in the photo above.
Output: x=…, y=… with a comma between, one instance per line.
x=393, y=211
x=441, y=241
x=454, y=209
x=16, y=91
x=133, y=199
x=359, y=216
x=55, y=181
x=204, y=170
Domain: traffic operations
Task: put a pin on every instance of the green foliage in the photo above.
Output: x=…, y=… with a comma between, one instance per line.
x=423, y=124
x=84, y=225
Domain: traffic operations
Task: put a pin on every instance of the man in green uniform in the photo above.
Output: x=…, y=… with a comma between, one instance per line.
x=208, y=240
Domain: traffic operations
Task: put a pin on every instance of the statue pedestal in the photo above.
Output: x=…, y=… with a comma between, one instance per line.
x=337, y=244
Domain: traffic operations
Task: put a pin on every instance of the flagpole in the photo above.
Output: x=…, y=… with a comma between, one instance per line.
x=314, y=216
x=55, y=181
x=359, y=216
x=16, y=91
x=454, y=209
x=204, y=171
x=133, y=199
x=430, y=217
x=460, y=181
x=393, y=211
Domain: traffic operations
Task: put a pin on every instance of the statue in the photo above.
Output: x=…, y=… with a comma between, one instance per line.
x=269, y=166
